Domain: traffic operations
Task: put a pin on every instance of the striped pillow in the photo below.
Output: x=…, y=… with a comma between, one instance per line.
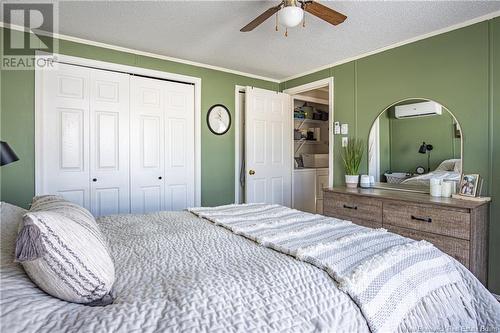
x=63, y=252
x=57, y=204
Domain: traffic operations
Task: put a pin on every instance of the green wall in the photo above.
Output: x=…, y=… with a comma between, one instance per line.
x=217, y=152
x=460, y=70
x=406, y=136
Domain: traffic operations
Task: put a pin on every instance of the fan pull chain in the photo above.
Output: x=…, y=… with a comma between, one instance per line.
x=304, y=21
x=286, y=32
x=276, y=21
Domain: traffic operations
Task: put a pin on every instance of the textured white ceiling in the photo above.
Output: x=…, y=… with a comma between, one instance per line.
x=208, y=31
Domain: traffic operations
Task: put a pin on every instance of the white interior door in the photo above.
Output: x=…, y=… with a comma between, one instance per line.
x=63, y=146
x=179, y=145
x=147, y=101
x=109, y=142
x=162, y=145
x=115, y=143
x=267, y=147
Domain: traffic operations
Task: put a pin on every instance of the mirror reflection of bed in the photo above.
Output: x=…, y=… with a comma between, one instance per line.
x=413, y=141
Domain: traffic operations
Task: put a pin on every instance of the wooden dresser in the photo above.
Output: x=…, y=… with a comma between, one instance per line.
x=457, y=227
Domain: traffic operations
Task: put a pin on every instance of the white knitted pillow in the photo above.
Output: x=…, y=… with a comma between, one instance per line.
x=55, y=203
x=10, y=218
x=63, y=252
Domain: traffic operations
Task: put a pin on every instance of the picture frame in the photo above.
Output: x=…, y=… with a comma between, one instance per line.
x=469, y=185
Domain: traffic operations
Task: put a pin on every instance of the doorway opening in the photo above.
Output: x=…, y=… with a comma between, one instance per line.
x=312, y=114
x=307, y=136
x=239, y=145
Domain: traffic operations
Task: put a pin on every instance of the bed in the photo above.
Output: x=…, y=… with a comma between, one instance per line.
x=181, y=273
x=447, y=170
x=425, y=178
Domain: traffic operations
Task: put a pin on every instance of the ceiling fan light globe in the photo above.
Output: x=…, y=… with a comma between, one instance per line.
x=290, y=16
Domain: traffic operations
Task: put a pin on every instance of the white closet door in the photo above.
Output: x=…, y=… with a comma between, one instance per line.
x=162, y=145
x=179, y=146
x=63, y=146
x=109, y=142
x=147, y=145
x=268, y=147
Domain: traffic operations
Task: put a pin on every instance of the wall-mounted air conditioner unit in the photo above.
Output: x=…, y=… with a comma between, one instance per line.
x=421, y=109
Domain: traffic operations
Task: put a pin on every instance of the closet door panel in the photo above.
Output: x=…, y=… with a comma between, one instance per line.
x=63, y=146
x=150, y=141
x=179, y=152
x=109, y=142
x=178, y=196
x=151, y=198
x=106, y=201
x=147, y=145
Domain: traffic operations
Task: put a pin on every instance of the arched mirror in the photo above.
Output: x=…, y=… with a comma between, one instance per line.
x=413, y=141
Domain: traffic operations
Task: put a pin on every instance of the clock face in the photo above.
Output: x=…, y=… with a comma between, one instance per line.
x=218, y=119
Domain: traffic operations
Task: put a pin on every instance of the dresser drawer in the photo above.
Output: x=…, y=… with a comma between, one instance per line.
x=350, y=207
x=454, y=223
x=457, y=248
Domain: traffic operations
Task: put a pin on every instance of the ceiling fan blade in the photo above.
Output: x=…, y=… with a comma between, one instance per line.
x=324, y=13
x=261, y=18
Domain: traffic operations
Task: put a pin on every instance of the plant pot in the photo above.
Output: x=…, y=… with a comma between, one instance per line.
x=351, y=181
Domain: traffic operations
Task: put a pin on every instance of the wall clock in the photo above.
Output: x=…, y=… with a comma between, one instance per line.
x=218, y=119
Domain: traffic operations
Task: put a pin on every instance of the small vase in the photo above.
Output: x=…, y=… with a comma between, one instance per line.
x=351, y=181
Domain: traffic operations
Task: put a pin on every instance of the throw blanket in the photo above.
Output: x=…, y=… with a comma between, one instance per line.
x=387, y=275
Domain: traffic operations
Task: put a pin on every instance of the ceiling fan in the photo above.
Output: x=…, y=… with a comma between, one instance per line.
x=291, y=13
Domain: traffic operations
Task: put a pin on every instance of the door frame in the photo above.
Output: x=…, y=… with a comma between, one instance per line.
x=374, y=150
x=71, y=60
x=311, y=86
x=237, y=139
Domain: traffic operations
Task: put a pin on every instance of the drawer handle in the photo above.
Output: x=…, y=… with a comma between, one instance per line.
x=423, y=219
x=351, y=207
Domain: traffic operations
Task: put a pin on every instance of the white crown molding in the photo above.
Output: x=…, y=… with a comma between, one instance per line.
x=392, y=46
x=146, y=54
x=232, y=71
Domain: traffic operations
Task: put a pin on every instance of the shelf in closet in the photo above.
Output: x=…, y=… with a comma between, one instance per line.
x=310, y=121
x=310, y=99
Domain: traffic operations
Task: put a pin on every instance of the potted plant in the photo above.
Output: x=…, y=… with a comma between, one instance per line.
x=351, y=155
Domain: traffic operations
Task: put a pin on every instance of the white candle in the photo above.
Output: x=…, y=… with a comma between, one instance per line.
x=435, y=187
x=446, y=189
x=365, y=181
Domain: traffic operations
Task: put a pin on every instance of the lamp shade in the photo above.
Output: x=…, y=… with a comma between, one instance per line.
x=291, y=16
x=7, y=155
x=422, y=149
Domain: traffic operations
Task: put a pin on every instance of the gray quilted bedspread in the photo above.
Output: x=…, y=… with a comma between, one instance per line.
x=179, y=273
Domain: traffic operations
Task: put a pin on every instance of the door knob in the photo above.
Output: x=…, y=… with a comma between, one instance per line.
x=94, y=180
x=251, y=172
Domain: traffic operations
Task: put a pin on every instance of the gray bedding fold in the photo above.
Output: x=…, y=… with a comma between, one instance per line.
x=179, y=273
